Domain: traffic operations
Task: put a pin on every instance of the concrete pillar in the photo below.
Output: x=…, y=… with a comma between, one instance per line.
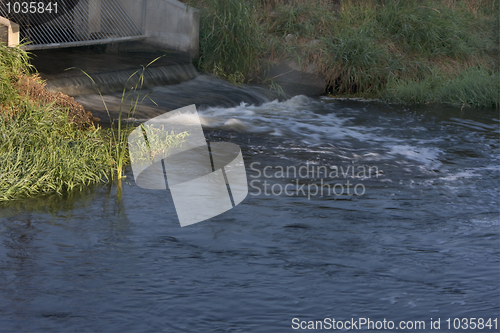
x=172, y=24
x=87, y=18
x=167, y=24
x=9, y=32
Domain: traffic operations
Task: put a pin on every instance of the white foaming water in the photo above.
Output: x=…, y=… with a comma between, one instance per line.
x=460, y=175
x=425, y=156
x=315, y=123
x=292, y=118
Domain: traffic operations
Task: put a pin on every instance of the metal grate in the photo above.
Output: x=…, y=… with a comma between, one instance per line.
x=85, y=22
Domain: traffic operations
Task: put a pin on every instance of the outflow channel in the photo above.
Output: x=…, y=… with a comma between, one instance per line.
x=355, y=211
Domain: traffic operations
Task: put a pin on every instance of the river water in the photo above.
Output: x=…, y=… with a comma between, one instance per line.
x=414, y=236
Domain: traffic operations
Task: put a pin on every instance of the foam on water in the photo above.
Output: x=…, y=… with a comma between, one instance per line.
x=425, y=156
x=291, y=118
x=298, y=119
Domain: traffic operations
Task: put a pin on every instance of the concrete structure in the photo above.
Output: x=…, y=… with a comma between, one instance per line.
x=166, y=24
x=9, y=32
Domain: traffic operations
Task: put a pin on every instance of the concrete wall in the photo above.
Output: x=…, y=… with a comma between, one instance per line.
x=9, y=32
x=166, y=23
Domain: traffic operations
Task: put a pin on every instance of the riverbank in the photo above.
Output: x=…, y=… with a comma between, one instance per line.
x=434, y=51
x=49, y=143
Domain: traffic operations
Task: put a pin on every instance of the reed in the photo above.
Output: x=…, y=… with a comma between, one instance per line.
x=119, y=131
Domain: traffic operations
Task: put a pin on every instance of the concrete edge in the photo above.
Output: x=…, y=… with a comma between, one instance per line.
x=12, y=33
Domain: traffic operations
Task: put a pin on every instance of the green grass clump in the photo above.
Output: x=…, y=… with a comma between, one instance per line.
x=230, y=41
x=42, y=152
x=158, y=143
x=357, y=63
x=13, y=63
x=475, y=87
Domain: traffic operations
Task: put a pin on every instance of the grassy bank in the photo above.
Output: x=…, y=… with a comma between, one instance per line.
x=42, y=152
x=48, y=143
x=42, y=148
x=429, y=51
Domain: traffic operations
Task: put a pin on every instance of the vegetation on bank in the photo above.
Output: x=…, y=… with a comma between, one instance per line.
x=48, y=143
x=42, y=149
x=443, y=51
x=42, y=152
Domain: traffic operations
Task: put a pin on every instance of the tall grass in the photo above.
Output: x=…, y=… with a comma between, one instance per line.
x=297, y=18
x=403, y=41
x=475, y=87
x=14, y=62
x=357, y=63
x=42, y=152
x=360, y=47
x=432, y=29
x=230, y=41
x=120, y=130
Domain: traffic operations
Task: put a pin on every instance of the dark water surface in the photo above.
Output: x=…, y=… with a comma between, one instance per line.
x=421, y=242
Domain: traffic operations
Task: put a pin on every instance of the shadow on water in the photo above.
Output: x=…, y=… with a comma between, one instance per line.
x=77, y=204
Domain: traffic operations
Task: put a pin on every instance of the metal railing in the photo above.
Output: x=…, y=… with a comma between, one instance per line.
x=85, y=22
